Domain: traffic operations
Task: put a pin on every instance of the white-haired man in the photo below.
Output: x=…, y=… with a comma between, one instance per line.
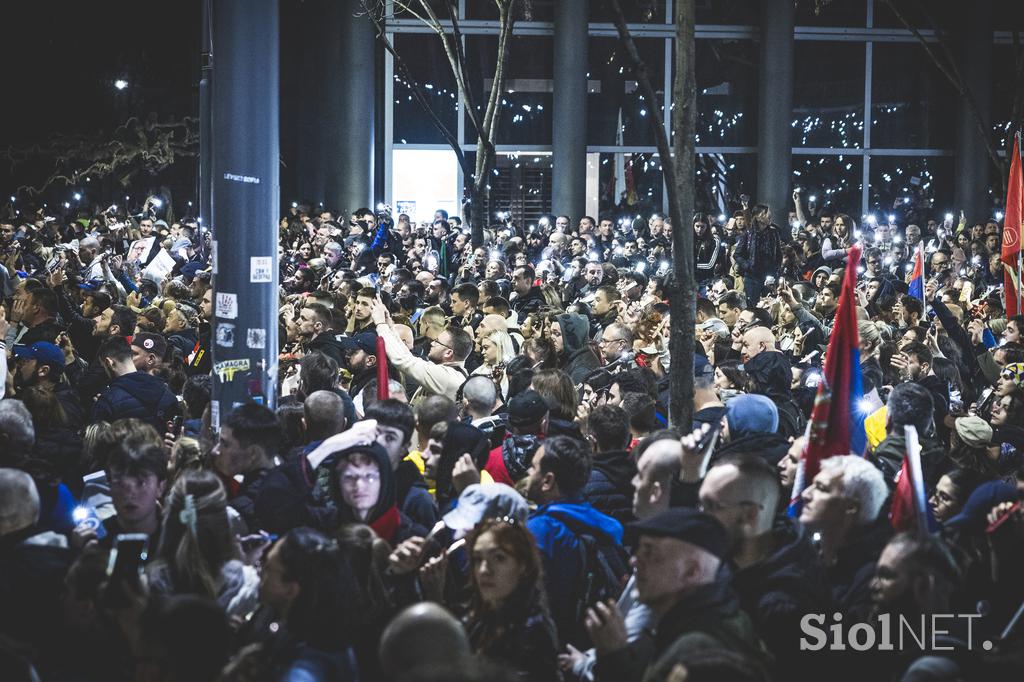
x=842, y=507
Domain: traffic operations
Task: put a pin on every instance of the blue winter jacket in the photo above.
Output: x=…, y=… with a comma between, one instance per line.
x=560, y=551
x=138, y=395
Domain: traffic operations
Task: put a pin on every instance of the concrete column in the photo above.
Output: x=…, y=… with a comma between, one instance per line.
x=775, y=109
x=972, y=161
x=246, y=203
x=569, y=115
x=349, y=99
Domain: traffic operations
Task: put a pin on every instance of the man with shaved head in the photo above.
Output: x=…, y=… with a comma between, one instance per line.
x=756, y=340
x=323, y=416
x=425, y=635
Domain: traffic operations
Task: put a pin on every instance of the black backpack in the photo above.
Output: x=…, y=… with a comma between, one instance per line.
x=604, y=574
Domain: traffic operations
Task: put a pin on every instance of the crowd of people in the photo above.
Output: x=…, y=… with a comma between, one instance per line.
x=514, y=504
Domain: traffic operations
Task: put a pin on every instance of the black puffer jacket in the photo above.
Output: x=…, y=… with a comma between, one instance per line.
x=610, y=487
x=758, y=252
x=771, y=446
x=850, y=577
x=138, y=395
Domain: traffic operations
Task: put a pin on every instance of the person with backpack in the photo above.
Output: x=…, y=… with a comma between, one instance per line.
x=581, y=548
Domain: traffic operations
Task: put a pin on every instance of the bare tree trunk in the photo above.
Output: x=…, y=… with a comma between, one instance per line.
x=678, y=171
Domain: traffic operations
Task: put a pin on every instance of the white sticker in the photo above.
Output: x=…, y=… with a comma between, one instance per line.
x=215, y=415
x=226, y=334
x=261, y=269
x=256, y=338
x=213, y=254
x=226, y=369
x=227, y=305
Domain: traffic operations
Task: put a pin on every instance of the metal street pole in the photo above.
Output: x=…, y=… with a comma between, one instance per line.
x=246, y=208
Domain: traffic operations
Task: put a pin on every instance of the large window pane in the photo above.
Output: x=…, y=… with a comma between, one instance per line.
x=722, y=179
x=424, y=56
x=843, y=13
x=643, y=12
x=525, y=109
x=424, y=180
x=835, y=182
x=726, y=72
x=912, y=103
x=616, y=113
x=828, y=94
x=744, y=12
x=913, y=188
x=1003, y=89
x=629, y=184
x=520, y=184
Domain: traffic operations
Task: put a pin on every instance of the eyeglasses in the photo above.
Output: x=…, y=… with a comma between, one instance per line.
x=440, y=343
x=352, y=480
x=605, y=342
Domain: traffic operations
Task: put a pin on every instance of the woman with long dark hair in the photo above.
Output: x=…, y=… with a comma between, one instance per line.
x=508, y=619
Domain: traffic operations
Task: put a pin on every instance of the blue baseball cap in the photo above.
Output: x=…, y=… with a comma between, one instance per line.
x=43, y=352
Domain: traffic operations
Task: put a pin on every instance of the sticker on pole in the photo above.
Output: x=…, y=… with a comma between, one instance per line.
x=227, y=305
x=213, y=254
x=261, y=269
x=215, y=415
x=256, y=338
x=226, y=369
x=226, y=334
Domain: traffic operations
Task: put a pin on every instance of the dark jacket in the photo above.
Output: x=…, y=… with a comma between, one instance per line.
x=779, y=590
x=413, y=496
x=772, y=376
x=458, y=440
x=850, y=576
x=710, y=259
x=610, y=488
x=579, y=359
x=553, y=527
x=138, y=395
x=526, y=641
x=244, y=501
x=285, y=498
x=185, y=341
x=888, y=457
x=528, y=303
x=707, y=617
x=46, y=330
x=758, y=253
x=771, y=446
x=62, y=448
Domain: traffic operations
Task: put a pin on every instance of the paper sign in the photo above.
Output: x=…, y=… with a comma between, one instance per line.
x=159, y=267
x=261, y=269
x=227, y=305
x=256, y=338
x=226, y=369
x=226, y=334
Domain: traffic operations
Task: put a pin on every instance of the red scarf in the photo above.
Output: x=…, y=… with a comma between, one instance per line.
x=386, y=525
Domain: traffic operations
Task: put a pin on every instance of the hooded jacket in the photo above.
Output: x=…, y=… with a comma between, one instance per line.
x=138, y=395
x=772, y=376
x=610, y=488
x=510, y=462
x=385, y=518
x=890, y=452
x=555, y=526
x=460, y=439
x=578, y=358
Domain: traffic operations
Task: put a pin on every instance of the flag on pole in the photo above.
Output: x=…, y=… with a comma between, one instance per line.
x=383, y=380
x=1012, y=217
x=916, y=288
x=836, y=426
x=910, y=510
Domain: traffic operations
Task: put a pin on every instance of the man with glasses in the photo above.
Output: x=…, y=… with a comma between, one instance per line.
x=778, y=575
x=615, y=340
x=443, y=370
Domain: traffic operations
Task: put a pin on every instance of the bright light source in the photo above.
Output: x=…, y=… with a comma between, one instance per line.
x=78, y=197
x=892, y=218
x=865, y=406
x=721, y=217
x=120, y=84
x=158, y=202
x=812, y=198
x=949, y=216
x=999, y=214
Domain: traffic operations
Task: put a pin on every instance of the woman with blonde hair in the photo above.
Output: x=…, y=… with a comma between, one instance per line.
x=497, y=351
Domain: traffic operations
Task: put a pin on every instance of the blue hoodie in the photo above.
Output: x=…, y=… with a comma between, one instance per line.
x=138, y=395
x=560, y=551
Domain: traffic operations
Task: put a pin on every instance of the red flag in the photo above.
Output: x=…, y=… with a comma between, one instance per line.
x=837, y=419
x=910, y=510
x=1012, y=217
x=383, y=392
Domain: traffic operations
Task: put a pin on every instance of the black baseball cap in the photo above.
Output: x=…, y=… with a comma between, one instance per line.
x=526, y=408
x=364, y=341
x=686, y=524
